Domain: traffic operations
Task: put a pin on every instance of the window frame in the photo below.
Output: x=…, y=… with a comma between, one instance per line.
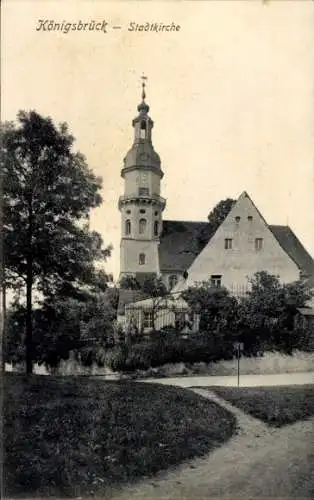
x=228, y=243
x=143, y=129
x=142, y=225
x=172, y=277
x=259, y=243
x=216, y=280
x=142, y=259
x=147, y=319
x=127, y=227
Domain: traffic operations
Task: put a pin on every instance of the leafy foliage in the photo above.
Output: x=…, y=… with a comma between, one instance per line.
x=265, y=318
x=129, y=283
x=216, y=308
x=220, y=212
x=48, y=192
x=63, y=325
x=215, y=219
x=268, y=311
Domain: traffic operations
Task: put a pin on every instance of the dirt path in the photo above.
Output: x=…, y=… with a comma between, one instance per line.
x=264, y=380
x=258, y=462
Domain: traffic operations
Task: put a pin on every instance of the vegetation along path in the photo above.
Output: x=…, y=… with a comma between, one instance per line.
x=260, y=461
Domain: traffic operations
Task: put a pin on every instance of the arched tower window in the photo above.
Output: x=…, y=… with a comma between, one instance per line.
x=127, y=227
x=143, y=130
x=142, y=226
x=172, y=281
x=141, y=259
x=156, y=228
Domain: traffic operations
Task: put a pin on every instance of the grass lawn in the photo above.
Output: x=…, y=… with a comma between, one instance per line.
x=276, y=406
x=78, y=436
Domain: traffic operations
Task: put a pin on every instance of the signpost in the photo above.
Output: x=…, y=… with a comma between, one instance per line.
x=238, y=348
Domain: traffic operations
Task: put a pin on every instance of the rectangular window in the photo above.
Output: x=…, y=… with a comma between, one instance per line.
x=141, y=259
x=215, y=280
x=148, y=319
x=258, y=243
x=228, y=243
x=143, y=191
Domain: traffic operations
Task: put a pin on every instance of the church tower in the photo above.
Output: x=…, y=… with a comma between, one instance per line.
x=141, y=205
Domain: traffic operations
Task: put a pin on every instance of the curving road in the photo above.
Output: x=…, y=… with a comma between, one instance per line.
x=258, y=463
x=232, y=381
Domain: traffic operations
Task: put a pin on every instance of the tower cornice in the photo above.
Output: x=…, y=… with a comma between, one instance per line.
x=153, y=199
x=146, y=168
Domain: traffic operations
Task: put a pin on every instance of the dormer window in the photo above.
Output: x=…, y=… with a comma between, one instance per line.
x=237, y=219
x=249, y=218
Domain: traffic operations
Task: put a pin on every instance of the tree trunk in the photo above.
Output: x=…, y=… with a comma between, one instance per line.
x=29, y=289
x=4, y=324
x=29, y=319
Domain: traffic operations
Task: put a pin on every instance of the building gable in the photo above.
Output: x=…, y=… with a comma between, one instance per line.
x=242, y=246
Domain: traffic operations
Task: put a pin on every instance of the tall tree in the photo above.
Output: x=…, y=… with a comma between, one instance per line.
x=220, y=212
x=215, y=219
x=48, y=192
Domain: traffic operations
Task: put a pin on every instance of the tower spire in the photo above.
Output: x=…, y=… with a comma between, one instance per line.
x=143, y=107
x=143, y=78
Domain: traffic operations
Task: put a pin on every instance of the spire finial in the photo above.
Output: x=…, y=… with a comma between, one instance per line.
x=143, y=107
x=143, y=78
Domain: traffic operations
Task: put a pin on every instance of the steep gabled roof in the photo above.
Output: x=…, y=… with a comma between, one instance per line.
x=294, y=248
x=180, y=243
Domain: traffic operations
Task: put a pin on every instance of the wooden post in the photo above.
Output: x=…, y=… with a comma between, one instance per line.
x=239, y=365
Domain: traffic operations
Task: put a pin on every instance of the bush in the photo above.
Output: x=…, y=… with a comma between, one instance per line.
x=169, y=347
x=116, y=358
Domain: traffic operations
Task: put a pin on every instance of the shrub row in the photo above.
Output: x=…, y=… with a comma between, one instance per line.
x=163, y=350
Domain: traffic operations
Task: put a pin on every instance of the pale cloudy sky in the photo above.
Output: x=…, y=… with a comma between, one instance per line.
x=231, y=94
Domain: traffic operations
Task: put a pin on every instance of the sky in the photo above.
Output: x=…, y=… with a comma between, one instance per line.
x=231, y=94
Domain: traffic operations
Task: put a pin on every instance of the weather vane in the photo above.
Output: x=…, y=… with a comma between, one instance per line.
x=143, y=78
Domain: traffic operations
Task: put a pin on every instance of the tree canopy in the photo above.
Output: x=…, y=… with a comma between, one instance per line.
x=215, y=219
x=270, y=307
x=215, y=306
x=220, y=212
x=48, y=193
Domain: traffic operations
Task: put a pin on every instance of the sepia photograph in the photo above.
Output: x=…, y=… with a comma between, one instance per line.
x=157, y=249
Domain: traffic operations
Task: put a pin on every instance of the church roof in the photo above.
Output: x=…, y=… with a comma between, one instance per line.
x=294, y=248
x=182, y=241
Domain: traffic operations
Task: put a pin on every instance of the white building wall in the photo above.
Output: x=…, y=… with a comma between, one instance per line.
x=236, y=265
